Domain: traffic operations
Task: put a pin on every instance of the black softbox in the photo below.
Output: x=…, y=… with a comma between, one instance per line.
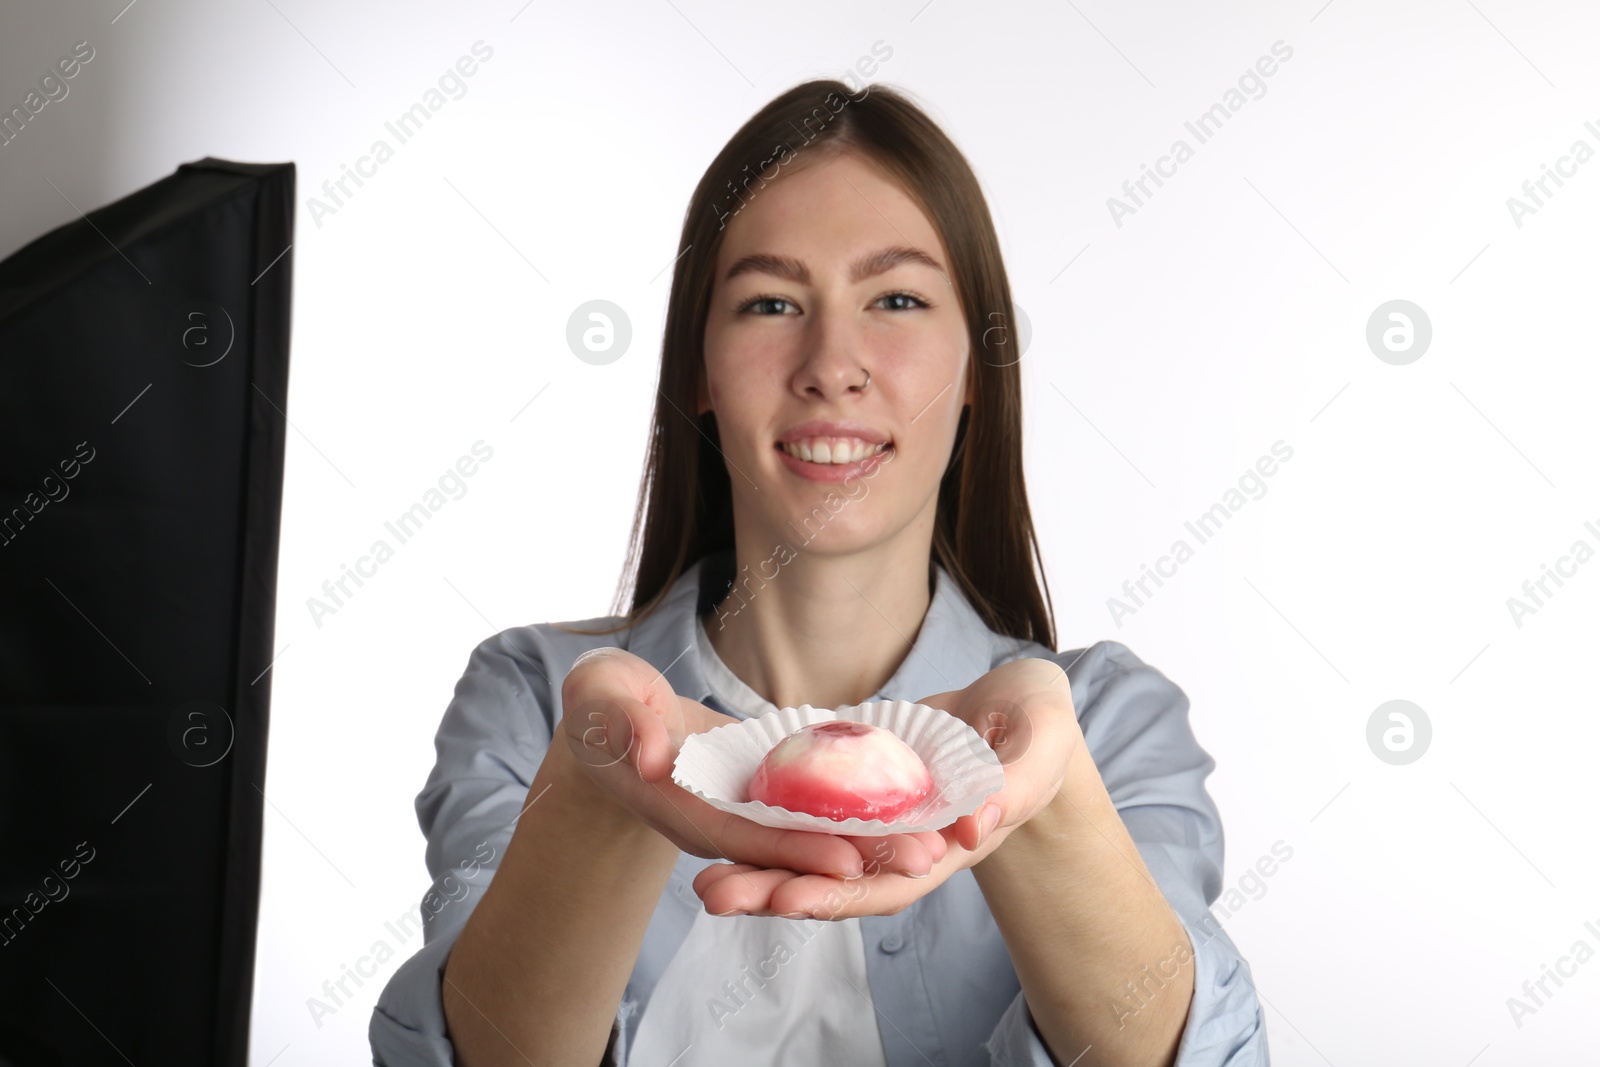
x=144, y=359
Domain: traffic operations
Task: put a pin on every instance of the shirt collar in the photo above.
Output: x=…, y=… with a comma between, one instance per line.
x=952, y=649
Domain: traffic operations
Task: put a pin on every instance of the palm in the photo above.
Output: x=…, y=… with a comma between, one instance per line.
x=624, y=726
x=1023, y=712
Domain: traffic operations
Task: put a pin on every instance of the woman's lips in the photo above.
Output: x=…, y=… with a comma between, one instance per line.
x=833, y=472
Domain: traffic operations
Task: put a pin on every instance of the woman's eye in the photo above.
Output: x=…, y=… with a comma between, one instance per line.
x=763, y=305
x=910, y=301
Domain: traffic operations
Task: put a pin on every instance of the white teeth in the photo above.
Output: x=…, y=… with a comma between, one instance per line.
x=832, y=450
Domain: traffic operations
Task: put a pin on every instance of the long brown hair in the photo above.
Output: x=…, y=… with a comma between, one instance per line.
x=983, y=533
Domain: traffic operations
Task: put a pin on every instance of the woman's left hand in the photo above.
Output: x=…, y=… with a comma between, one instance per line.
x=1023, y=710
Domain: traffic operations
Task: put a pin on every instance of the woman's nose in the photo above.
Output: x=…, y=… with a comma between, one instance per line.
x=833, y=363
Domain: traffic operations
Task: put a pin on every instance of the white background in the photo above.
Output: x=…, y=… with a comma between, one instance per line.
x=1228, y=313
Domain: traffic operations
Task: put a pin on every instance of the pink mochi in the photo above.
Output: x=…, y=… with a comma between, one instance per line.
x=842, y=770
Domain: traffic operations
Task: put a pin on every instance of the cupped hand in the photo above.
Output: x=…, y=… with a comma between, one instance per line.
x=623, y=726
x=1023, y=711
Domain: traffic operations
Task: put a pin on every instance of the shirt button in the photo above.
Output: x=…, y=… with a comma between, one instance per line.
x=893, y=943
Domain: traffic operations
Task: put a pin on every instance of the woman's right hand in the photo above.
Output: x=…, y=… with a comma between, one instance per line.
x=623, y=727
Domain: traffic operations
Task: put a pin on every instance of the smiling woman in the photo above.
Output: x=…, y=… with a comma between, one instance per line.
x=822, y=336
x=887, y=194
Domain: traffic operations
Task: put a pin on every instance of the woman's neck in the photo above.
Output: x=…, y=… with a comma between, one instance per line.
x=802, y=628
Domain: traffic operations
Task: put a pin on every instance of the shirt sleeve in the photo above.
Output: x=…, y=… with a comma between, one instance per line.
x=1016, y=1041
x=1136, y=724
x=490, y=743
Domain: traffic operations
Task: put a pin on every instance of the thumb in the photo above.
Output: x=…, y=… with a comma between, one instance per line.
x=979, y=826
x=603, y=734
x=655, y=727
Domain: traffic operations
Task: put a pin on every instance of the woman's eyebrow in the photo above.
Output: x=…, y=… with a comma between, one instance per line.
x=869, y=265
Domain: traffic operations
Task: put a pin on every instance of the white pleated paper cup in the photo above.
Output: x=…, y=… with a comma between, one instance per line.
x=717, y=766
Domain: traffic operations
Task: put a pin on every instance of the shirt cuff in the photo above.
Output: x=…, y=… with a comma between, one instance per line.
x=408, y=1025
x=1016, y=1041
x=1225, y=1027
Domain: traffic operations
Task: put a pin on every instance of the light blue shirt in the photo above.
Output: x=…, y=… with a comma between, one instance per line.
x=939, y=972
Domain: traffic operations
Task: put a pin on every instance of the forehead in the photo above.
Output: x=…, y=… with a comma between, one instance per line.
x=827, y=211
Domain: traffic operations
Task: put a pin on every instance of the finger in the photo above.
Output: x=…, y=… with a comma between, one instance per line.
x=895, y=853
x=616, y=673
x=947, y=701
x=605, y=732
x=831, y=900
x=656, y=747
x=747, y=891
x=637, y=703
x=963, y=832
x=716, y=872
x=934, y=841
x=1011, y=732
x=971, y=831
x=743, y=841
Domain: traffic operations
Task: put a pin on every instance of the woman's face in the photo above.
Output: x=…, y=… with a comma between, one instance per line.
x=830, y=272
